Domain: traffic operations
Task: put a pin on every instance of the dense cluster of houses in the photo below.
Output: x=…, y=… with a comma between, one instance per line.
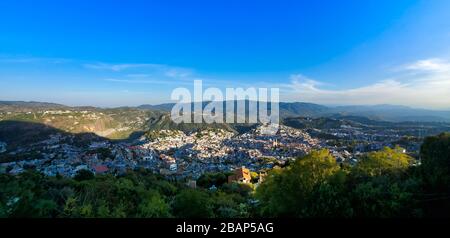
x=367, y=140
x=171, y=153
x=185, y=156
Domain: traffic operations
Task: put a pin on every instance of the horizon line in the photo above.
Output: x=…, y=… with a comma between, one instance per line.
x=165, y=103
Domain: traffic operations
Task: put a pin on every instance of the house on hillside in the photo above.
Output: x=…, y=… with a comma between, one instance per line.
x=262, y=177
x=241, y=175
x=192, y=184
x=2, y=147
x=101, y=169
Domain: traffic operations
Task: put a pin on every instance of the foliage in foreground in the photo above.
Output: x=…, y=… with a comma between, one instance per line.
x=382, y=184
x=137, y=194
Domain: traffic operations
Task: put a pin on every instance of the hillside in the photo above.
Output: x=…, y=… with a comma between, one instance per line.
x=21, y=106
x=165, y=123
x=117, y=123
x=125, y=122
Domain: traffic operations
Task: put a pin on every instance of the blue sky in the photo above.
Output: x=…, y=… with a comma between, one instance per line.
x=116, y=53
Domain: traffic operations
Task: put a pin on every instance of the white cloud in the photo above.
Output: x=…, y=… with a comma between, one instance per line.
x=144, y=70
x=129, y=81
x=429, y=88
x=120, y=67
x=431, y=65
x=137, y=75
x=144, y=81
x=177, y=73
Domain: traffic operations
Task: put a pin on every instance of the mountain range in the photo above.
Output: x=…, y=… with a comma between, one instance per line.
x=131, y=122
x=390, y=113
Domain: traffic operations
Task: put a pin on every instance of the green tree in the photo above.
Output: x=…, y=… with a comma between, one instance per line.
x=228, y=205
x=385, y=161
x=435, y=157
x=385, y=197
x=209, y=179
x=84, y=175
x=103, y=210
x=435, y=171
x=191, y=203
x=286, y=191
x=45, y=208
x=330, y=198
x=154, y=206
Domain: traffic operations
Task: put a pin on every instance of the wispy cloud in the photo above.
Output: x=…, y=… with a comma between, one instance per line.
x=144, y=69
x=430, y=87
x=430, y=65
x=7, y=59
x=145, y=81
x=120, y=67
x=423, y=83
x=177, y=73
x=130, y=81
x=137, y=75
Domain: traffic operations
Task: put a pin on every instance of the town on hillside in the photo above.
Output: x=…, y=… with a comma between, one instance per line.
x=186, y=156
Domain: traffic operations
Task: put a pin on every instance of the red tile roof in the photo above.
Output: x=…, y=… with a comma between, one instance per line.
x=101, y=168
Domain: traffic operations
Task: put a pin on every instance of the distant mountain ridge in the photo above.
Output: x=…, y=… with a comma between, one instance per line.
x=393, y=113
x=386, y=112
x=131, y=122
x=23, y=106
x=30, y=104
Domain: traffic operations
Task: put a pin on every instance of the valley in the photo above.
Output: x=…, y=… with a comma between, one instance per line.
x=64, y=140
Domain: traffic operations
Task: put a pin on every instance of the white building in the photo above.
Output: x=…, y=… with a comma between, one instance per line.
x=2, y=147
x=173, y=167
x=97, y=145
x=147, y=158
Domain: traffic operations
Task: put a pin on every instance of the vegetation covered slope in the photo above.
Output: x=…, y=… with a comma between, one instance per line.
x=118, y=123
x=384, y=184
